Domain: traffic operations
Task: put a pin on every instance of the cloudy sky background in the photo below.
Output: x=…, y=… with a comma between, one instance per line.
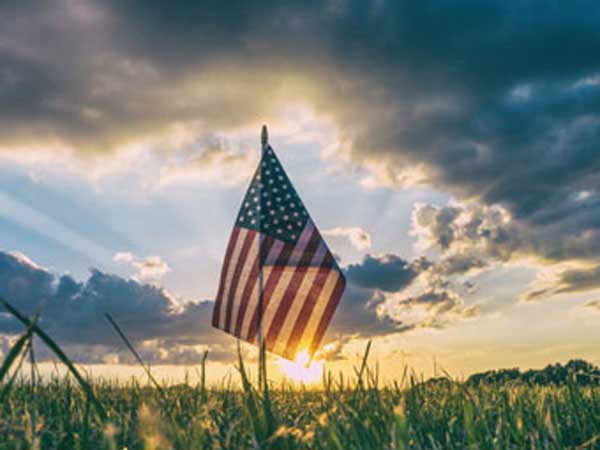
x=448, y=151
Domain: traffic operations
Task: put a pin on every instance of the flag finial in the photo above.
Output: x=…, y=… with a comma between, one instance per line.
x=264, y=136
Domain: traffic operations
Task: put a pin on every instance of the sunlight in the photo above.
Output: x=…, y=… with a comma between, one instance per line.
x=300, y=370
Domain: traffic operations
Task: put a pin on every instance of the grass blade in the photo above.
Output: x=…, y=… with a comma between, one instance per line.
x=135, y=353
x=60, y=354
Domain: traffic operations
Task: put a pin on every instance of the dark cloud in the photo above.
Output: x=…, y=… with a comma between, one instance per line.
x=388, y=272
x=374, y=304
x=572, y=280
x=166, y=330
x=360, y=314
x=459, y=264
x=496, y=102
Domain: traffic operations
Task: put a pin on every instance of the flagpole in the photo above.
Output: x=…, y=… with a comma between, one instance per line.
x=262, y=372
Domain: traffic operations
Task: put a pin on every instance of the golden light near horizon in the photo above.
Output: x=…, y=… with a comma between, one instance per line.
x=302, y=369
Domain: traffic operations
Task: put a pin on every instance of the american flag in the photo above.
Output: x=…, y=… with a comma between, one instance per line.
x=301, y=281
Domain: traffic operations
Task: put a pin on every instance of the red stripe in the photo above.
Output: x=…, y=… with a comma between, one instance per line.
x=309, y=303
x=217, y=308
x=241, y=262
x=292, y=289
x=269, y=287
x=249, y=288
x=328, y=314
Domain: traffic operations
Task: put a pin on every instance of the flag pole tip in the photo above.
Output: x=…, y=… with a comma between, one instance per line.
x=264, y=135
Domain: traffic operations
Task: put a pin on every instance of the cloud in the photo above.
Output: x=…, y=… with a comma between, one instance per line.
x=593, y=304
x=386, y=294
x=217, y=163
x=166, y=330
x=565, y=281
x=150, y=269
x=358, y=238
x=98, y=77
x=387, y=272
x=517, y=146
x=433, y=308
x=360, y=314
x=169, y=330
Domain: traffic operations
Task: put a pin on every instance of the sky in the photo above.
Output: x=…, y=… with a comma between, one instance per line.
x=447, y=150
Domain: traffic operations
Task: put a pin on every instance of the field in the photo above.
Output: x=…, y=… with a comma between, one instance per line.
x=343, y=415
x=551, y=409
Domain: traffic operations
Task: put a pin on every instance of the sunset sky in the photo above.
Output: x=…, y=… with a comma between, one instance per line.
x=448, y=151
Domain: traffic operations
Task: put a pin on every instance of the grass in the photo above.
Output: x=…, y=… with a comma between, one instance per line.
x=346, y=413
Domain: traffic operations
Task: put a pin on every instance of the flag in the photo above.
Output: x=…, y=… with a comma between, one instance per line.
x=275, y=248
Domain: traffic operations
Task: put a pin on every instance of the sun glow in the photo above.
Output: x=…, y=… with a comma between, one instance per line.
x=301, y=369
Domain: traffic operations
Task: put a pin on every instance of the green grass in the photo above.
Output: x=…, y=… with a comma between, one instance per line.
x=73, y=412
x=424, y=416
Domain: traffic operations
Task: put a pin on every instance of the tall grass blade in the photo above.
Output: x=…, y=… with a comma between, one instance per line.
x=135, y=354
x=60, y=354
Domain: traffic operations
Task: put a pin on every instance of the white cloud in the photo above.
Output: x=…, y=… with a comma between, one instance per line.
x=150, y=269
x=358, y=238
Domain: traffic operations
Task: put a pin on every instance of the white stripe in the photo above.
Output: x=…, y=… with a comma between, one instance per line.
x=253, y=303
x=277, y=296
x=232, y=264
x=321, y=303
x=303, y=240
x=284, y=281
x=244, y=275
x=297, y=304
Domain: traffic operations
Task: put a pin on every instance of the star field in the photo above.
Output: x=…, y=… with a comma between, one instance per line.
x=271, y=204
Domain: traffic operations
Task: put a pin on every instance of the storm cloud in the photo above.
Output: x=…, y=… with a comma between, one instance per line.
x=166, y=329
x=495, y=102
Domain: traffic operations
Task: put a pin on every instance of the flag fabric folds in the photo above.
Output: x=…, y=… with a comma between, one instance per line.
x=301, y=283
